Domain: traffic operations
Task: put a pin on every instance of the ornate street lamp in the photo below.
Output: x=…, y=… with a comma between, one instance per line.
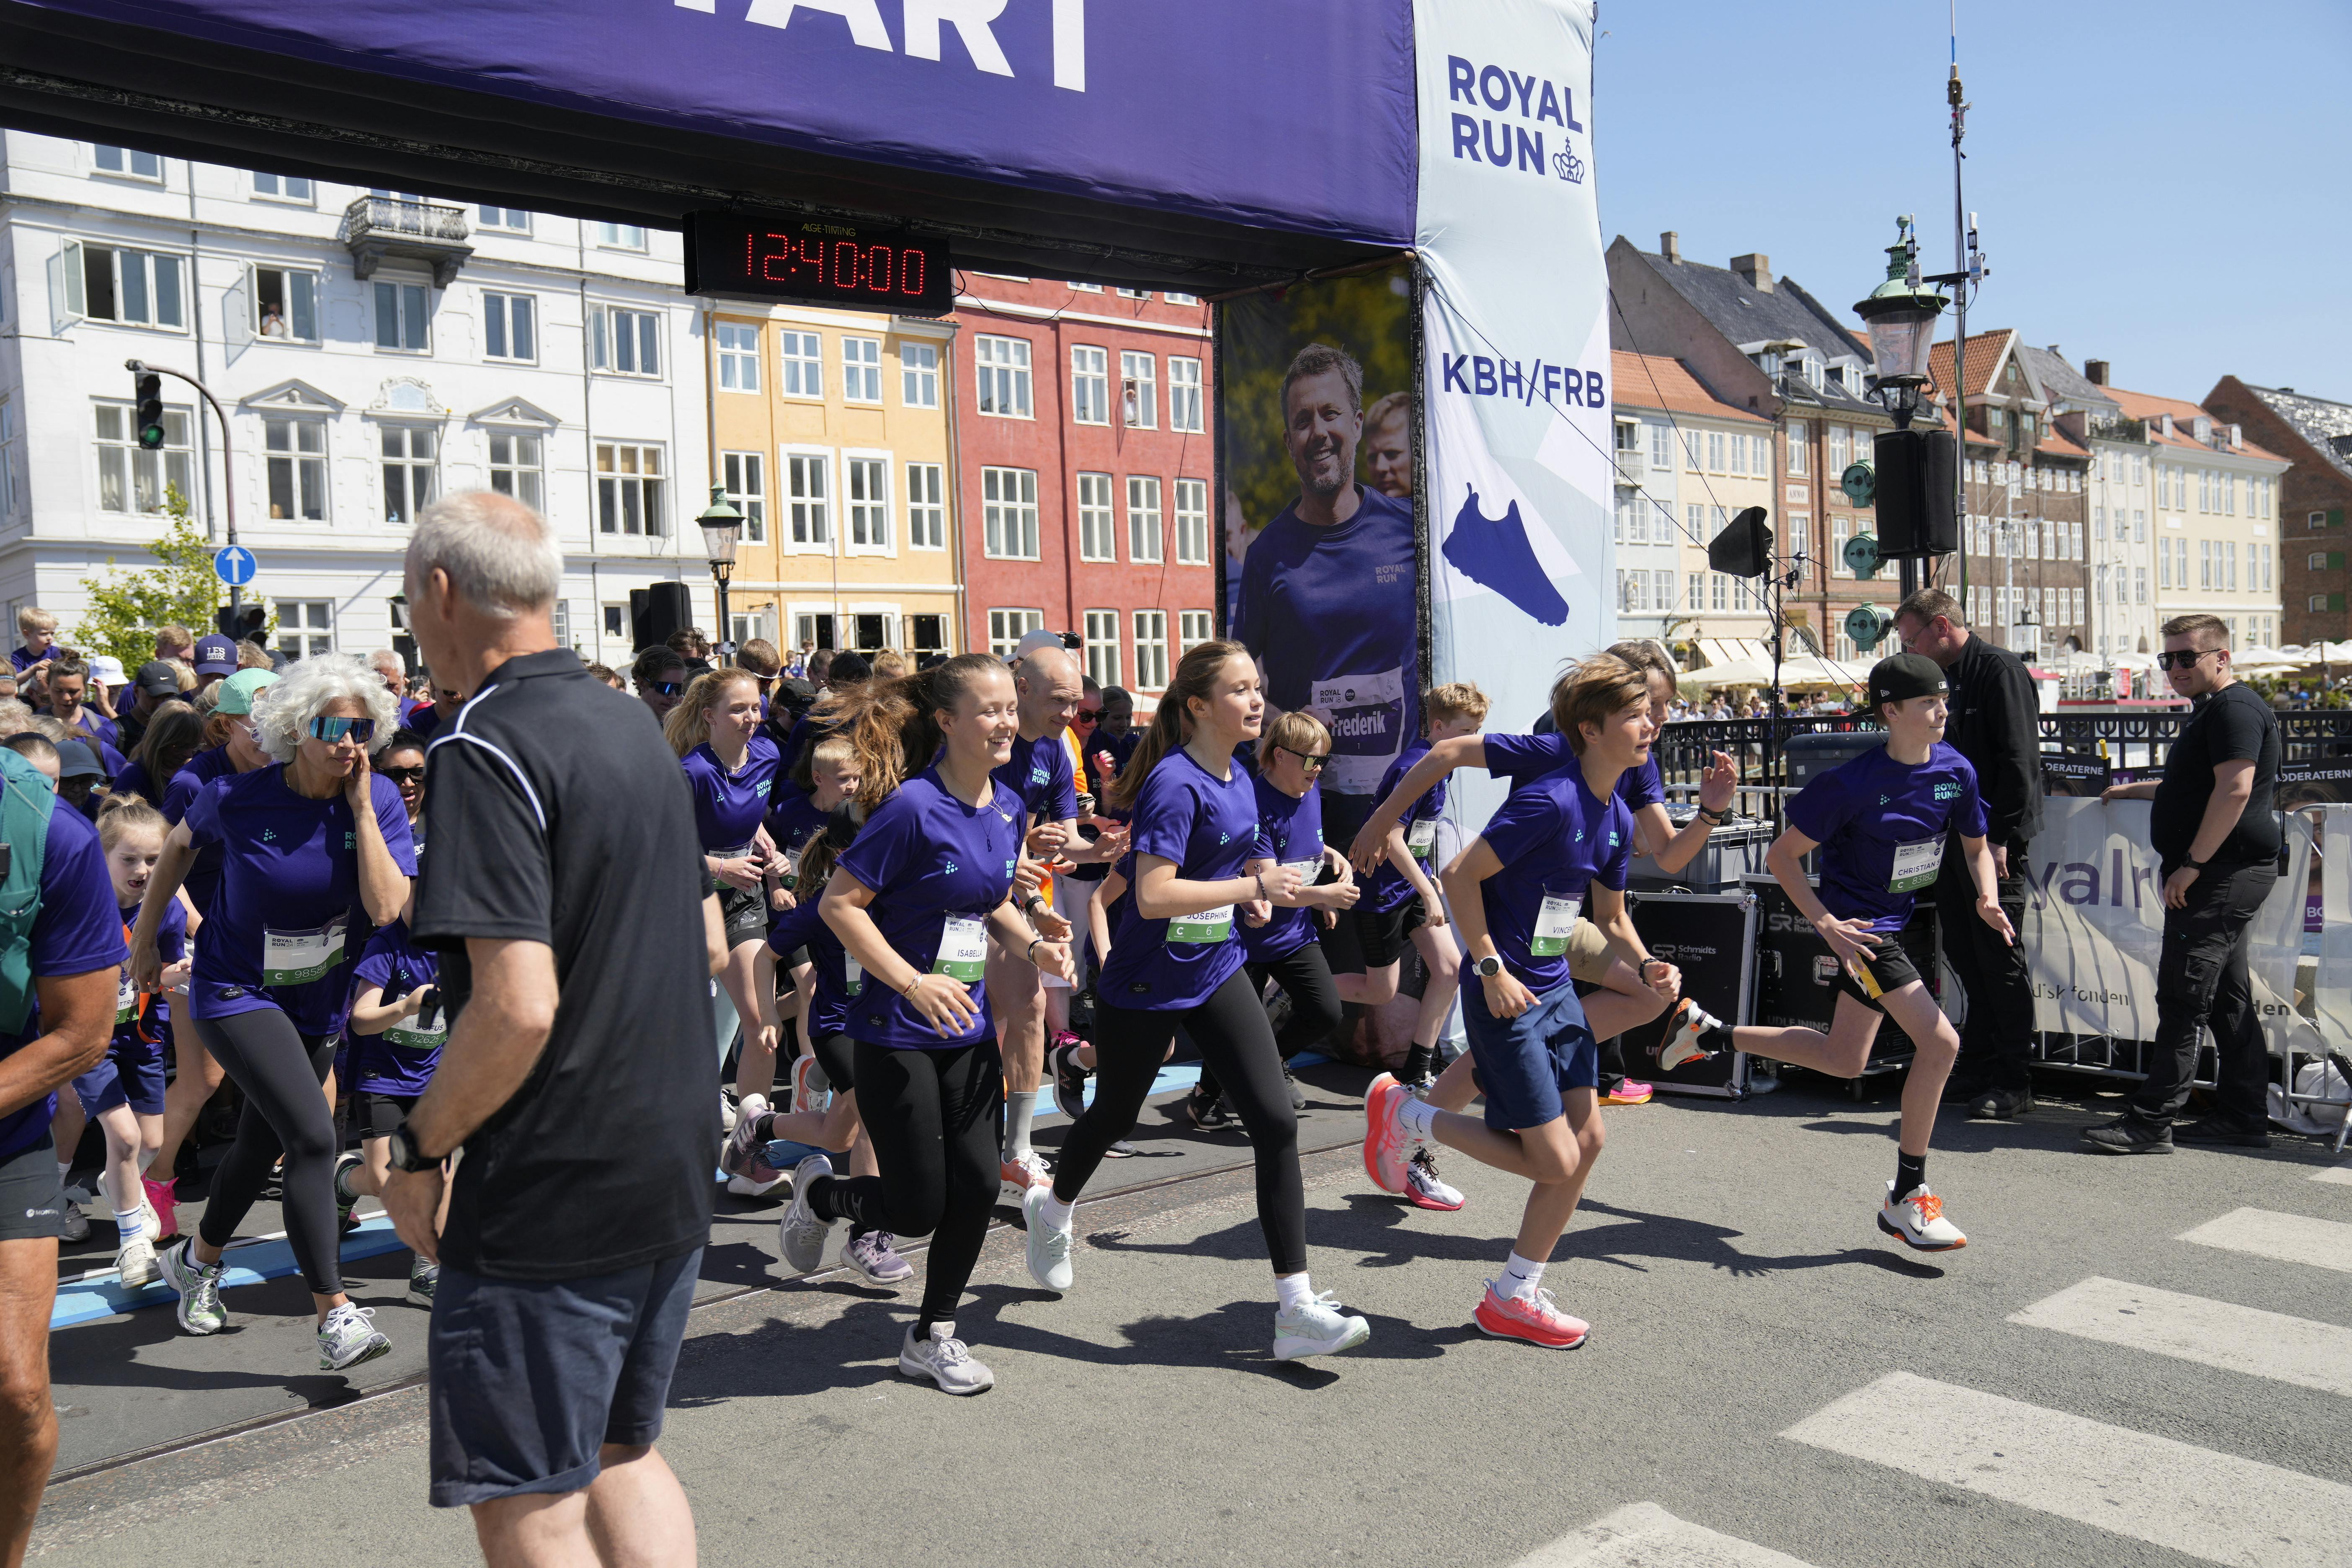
x=1900, y=315
x=722, y=529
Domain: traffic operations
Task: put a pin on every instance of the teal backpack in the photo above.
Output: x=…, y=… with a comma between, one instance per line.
x=27, y=798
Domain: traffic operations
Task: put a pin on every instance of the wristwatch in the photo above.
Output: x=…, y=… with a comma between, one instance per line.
x=1491, y=965
x=1642, y=970
x=2193, y=866
x=405, y=1153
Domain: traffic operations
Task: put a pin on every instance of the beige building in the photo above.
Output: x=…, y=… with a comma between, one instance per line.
x=2213, y=514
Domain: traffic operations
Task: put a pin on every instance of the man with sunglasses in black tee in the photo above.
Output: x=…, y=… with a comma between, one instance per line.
x=2216, y=832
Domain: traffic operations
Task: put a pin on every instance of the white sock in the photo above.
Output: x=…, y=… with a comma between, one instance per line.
x=127, y=1224
x=1019, y=1108
x=65, y=1169
x=1416, y=1117
x=1291, y=1290
x=1056, y=1212
x=1520, y=1278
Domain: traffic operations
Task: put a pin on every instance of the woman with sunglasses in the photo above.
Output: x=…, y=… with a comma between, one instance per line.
x=403, y=762
x=306, y=843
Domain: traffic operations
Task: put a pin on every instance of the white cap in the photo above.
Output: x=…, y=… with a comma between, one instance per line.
x=108, y=671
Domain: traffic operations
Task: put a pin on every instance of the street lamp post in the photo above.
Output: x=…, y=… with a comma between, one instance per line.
x=722, y=528
x=1900, y=315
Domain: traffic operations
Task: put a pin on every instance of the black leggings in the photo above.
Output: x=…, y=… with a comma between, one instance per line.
x=1305, y=976
x=1237, y=1045
x=279, y=1070
x=935, y=1119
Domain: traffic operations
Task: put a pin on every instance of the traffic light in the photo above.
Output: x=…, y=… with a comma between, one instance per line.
x=150, y=410
x=243, y=624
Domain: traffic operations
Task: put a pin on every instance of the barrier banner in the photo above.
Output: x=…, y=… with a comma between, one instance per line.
x=1515, y=354
x=2095, y=925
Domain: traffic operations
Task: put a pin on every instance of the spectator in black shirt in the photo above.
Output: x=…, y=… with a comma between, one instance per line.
x=566, y=894
x=1995, y=724
x=2215, y=829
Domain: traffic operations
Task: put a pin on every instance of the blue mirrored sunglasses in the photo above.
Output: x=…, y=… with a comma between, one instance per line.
x=334, y=730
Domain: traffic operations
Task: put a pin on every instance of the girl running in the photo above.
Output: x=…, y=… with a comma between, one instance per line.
x=914, y=902
x=1175, y=961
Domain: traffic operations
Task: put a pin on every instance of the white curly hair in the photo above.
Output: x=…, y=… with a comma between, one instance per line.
x=282, y=710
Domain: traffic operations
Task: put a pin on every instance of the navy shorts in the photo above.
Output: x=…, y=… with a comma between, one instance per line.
x=32, y=1199
x=532, y=1377
x=1524, y=1063
x=132, y=1075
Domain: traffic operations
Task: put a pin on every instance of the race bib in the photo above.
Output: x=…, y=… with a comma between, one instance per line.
x=857, y=973
x=1916, y=865
x=963, y=949
x=409, y=1039
x=1366, y=715
x=1554, y=922
x=299, y=957
x=1421, y=837
x=1208, y=926
x=126, y=999
x=1307, y=870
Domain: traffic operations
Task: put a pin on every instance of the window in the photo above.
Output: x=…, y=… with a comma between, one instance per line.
x=627, y=343
x=1662, y=590
x=1151, y=650
x=2315, y=521
x=808, y=494
x=861, y=370
x=1097, y=529
x=2139, y=526
x=2316, y=562
x=513, y=220
x=1007, y=627
x=1632, y=590
x=927, y=512
x=1134, y=293
x=1840, y=450
x=802, y=355
x=926, y=633
x=919, y=375
x=629, y=490
x=518, y=469
x=1715, y=451
x=510, y=327
x=1003, y=370
x=130, y=479
x=1184, y=395
x=1192, y=523
x=296, y=454
x=1102, y=647
x=141, y=288
x=1089, y=385
x=739, y=356
x=1738, y=464
x=620, y=236
x=1139, y=395
x=1194, y=627
x=306, y=627
x=1697, y=591
x=869, y=504
x=282, y=188
x=2205, y=563
x=1695, y=441
x=745, y=475
x=402, y=317
x=410, y=457
x=1800, y=431
x=1662, y=445
x=286, y=304
x=1009, y=511
x=1840, y=529
x=1182, y=299
x=2229, y=565
x=124, y=161
x=1085, y=287
x=2316, y=602
x=1143, y=517
x=7, y=459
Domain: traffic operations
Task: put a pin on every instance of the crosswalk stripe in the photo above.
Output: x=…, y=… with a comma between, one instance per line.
x=2289, y=1238
x=2215, y=1505
x=2340, y=1174
x=1643, y=1535
x=2191, y=1328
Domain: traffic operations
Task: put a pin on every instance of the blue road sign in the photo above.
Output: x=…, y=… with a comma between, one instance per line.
x=236, y=566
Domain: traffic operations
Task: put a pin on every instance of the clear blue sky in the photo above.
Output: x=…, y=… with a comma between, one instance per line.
x=2164, y=185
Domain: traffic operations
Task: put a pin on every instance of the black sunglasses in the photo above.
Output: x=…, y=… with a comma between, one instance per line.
x=2182, y=659
x=1312, y=758
x=403, y=776
x=1088, y=715
x=666, y=688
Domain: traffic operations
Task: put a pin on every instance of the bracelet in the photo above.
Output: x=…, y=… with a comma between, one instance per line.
x=1261, y=885
x=908, y=989
x=1029, y=954
x=1712, y=818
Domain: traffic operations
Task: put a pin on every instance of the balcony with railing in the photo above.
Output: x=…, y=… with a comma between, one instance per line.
x=1632, y=467
x=376, y=226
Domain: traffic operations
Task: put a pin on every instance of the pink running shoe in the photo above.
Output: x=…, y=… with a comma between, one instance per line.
x=163, y=1199
x=1540, y=1320
x=1384, y=1139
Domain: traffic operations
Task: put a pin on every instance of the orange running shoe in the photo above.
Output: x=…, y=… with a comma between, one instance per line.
x=1536, y=1320
x=1384, y=1139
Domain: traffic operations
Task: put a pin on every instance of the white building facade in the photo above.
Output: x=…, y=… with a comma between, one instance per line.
x=371, y=351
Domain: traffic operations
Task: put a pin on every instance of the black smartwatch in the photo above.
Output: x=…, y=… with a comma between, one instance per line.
x=405, y=1153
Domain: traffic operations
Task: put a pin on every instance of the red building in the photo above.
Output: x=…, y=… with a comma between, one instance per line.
x=1085, y=454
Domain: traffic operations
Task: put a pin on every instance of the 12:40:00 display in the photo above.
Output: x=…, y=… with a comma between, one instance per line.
x=817, y=263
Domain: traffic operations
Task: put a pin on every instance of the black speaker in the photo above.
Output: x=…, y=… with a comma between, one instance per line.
x=1916, y=470
x=1744, y=547
x=656, y=612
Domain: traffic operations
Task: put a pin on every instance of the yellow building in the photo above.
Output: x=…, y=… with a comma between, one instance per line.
x=832, y=431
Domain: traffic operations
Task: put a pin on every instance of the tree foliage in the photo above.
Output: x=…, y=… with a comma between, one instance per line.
x=127, y=606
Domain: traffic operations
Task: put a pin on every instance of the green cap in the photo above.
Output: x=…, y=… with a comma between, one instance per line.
x=237, y=691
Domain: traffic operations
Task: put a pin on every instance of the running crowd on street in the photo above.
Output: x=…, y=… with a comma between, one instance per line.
x=893, y=908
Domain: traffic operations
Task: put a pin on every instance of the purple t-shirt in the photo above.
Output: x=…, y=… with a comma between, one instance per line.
x=1039, y=773
x=290, y=891
x=727, y=807
x=204, y=872
x=1882, y=826
x=401, y=1060
x=1523, y=759
x=792, y=818
x=830, y=996
x=1290, y=833
x=1209, y=828
x=937, y=869
x=1555, y=838
x=78, y=929
x=142, y=1033
x=1387, y=887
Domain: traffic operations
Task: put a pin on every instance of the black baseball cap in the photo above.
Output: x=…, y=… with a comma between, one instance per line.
x=157, y=678
x=77, y=761
x=1903, y=676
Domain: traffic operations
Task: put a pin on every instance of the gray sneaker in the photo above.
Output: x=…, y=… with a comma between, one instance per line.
x=199, y=1310
x=1049, y=1247
x=740, y=1155
x=73, y=1225
x=943, y=1359
x=799, y=1235
x=423, y=1278
x=347, y=1338
x=873, y=1256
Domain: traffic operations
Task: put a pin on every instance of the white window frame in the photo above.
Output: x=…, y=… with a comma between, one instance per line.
x=1185, y=395
x=737, y=365
x=284, y=197
x=1151, y=629
x=1099, y=645
x=653, y=518
x=288, y=289
x=995, y=518
x=807, y=524
x=127, y=164
x=795, y=363
x=1146, y=521
x=74, y=259
x=174, y=465
x=617, y=332
x=507, y=307
x=744, y=476
x=1097, y=518
x=861, y=470
x=926, y=505
x=305, y=468
x=409, y=466
x=524, y=470
x=1003, y=365
x=505, y=222
x=306, y=627
x=411, y=333
x=1175, y=298
x=620, y=236
x=1799, y=437
x=919, y=375
x=861, y=370
x=1007, y=626
x=1190, y=516
x=1194, y=627
x=1089, y=385
x=1139, y=389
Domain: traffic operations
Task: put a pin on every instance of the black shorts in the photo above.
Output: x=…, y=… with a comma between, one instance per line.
x=529, y=1378
x=1890, y=966
x=32, y=1199
x=1386, y=936
x=836, y=1055
x=743, y=915
x=378, y=1114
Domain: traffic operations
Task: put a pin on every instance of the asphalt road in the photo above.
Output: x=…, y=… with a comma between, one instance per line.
x=2136, y=1361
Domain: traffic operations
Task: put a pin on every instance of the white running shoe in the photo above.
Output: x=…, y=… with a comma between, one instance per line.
x=1049, y=1246
x=1016, y=1176
x=151, y=1224
x=1682, y=1042
x=199, y=1310
x=1317, y=1327
x=1918, y=1221
x=134, y=1261
x=799, y=1235
x=1423, y=1188
x=752, y=1187
x=726, y=1113
x=348, y=1337
x=943, y=1359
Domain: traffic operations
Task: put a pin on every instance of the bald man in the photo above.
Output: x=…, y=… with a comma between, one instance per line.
x=1039, y=774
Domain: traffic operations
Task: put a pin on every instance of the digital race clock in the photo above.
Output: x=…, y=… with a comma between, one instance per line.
x=818, y=262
